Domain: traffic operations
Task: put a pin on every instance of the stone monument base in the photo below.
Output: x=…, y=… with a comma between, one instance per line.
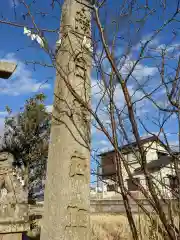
x=11, y=236
x=14, y=228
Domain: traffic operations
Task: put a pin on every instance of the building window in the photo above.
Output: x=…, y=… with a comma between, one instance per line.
x=132, y=186
x=173, y=182
x=112, y=188
x=161, y=154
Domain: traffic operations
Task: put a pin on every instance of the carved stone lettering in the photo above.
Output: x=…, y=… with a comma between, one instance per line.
x=78, y=202
x=80, y=67
x=82, y=23
x=77, y=217
x=78, y=166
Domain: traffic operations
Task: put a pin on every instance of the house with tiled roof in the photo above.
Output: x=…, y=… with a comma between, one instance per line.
x=159, y=164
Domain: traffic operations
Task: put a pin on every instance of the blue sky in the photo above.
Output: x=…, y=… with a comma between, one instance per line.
x=15, y=46
x=26, y=81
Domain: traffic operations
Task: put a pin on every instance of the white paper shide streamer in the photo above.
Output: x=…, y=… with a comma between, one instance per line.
x=34, y=36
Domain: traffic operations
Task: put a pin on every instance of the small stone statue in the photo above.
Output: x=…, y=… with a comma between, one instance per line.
x=6, y=185
x=13, y=195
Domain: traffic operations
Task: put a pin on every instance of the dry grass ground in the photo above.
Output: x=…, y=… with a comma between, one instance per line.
x=116, y=227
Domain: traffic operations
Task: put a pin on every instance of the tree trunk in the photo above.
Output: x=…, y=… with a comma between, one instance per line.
x=67, y=202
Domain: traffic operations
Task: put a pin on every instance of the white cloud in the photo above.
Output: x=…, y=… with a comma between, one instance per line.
x=2, y=121
x=98, y=90
x=93, y=130
x=174, y=144
x=21, y=81
x=106, y=149
x=97, y=93
x=3, y=114
x=152, y=43
x=104, y=142
x=49, y=108
x=101, y=144
x=140, y=72
x=171, y=50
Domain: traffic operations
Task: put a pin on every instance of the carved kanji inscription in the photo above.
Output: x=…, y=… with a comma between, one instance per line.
x=77, y=217
x=82, y=22
x=80, y=67
x=78, y=165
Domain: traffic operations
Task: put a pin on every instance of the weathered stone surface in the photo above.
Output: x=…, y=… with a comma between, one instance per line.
x=14, y=227
x=13, y=197
x=11, y=236
x=7, y=69
x=67, y=203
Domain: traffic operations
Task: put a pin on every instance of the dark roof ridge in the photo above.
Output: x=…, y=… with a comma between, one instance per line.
x=134, y=144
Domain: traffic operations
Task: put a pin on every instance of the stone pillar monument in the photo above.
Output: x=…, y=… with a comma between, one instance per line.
x=67, y=201
x=13, y=200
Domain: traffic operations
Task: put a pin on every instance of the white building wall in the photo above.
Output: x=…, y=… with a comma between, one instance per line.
x=151, y=155
x=152, y=148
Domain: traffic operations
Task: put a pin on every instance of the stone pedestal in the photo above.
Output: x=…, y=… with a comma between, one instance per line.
x=14, y=219
x=11, y=236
